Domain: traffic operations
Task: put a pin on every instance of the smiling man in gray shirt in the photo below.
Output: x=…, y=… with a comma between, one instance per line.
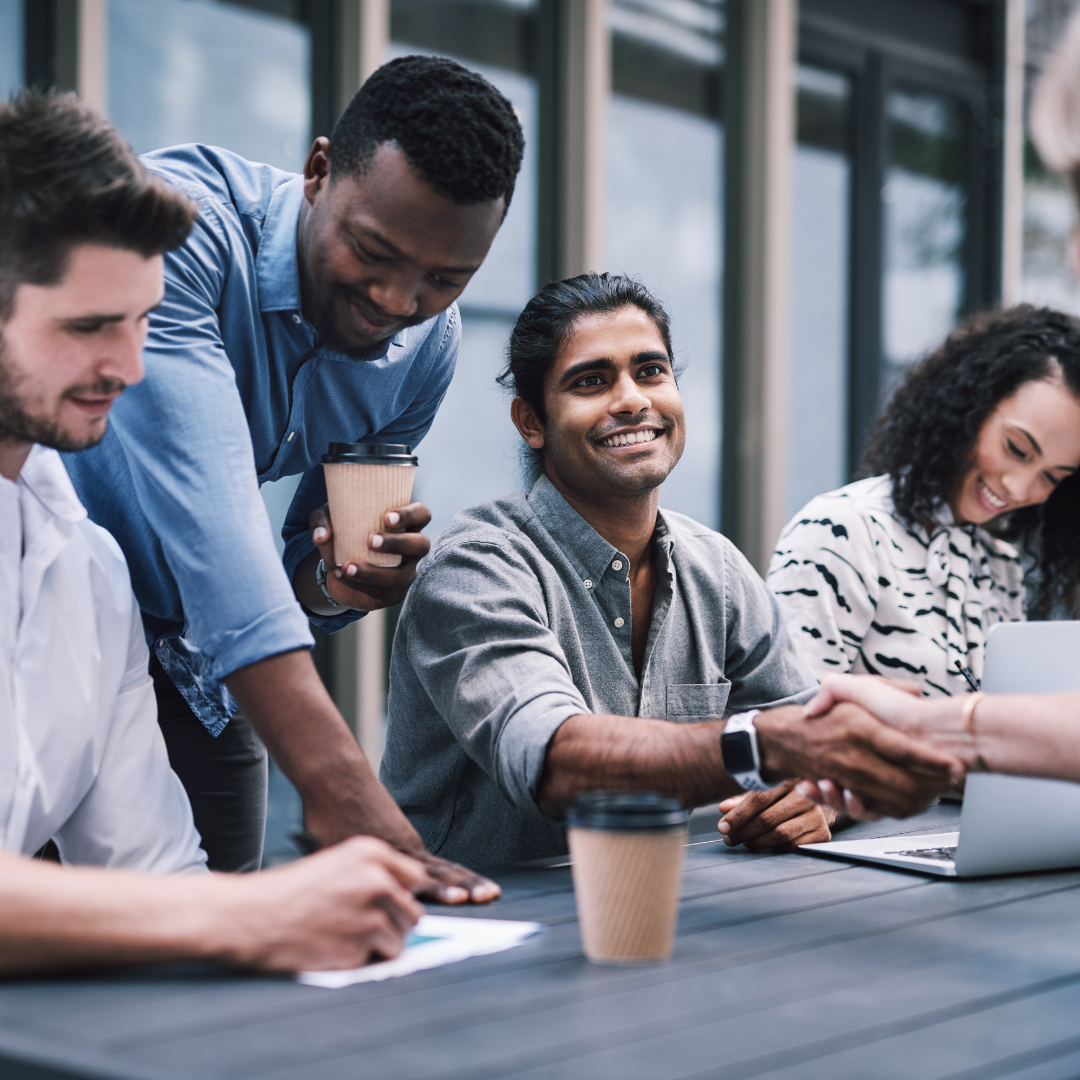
x=545, y=632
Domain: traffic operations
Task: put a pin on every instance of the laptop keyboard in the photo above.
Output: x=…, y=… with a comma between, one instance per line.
x=941, y=854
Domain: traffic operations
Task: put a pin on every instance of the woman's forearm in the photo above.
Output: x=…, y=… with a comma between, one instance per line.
x=1026, y=735
x=1029, y=735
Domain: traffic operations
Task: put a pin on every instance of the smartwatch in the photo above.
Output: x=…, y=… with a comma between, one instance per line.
x=320, y=578
x=738, y=745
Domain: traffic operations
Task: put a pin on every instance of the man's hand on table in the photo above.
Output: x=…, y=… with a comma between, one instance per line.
x=361, y=585
x=887, y=772
x=447, y=882
x=781, y=819
x=306, y=735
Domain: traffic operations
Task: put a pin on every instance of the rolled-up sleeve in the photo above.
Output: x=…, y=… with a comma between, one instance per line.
x=185, y=436
x=481, y=646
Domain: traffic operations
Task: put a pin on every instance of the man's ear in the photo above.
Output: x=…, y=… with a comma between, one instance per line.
x=527, y=422
x=317, y=167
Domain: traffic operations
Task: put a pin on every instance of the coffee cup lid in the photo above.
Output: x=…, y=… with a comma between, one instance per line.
x=368, y=454
x=626, y=811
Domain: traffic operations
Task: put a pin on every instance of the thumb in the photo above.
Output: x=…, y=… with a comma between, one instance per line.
x=822, y=701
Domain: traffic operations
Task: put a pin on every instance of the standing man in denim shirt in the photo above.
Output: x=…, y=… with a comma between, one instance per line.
x=302, y=310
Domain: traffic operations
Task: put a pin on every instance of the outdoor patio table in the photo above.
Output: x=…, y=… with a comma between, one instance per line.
x=785, y=966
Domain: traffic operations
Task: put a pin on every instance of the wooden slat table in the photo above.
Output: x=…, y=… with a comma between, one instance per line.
x=785, y=966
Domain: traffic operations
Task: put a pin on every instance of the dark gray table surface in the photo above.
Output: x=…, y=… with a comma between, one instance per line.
x=785, y=966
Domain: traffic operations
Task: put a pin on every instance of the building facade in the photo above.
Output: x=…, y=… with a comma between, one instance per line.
x=817, y=189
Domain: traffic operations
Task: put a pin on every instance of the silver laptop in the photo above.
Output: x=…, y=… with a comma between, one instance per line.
x=1008, y=824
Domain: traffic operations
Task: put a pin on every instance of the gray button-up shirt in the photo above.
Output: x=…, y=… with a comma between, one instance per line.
x=519, y=619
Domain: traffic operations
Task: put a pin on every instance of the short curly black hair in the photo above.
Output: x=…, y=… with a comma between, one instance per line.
x=926, y=436
x=456, y=130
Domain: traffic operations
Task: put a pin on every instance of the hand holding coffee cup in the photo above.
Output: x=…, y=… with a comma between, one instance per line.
x=368, y=533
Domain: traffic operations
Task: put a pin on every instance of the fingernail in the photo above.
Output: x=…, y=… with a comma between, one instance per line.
x=350, y=570
x=806, y=789
x=319, y=535
x=392, y=517
x=724, y=827
x=454, y=894
x=375, y=541
x=337, y=574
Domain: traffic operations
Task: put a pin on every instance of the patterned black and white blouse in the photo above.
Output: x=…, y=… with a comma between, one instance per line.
x=862, y=591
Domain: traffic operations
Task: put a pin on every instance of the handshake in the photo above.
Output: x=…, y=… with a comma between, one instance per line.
x=864, y=745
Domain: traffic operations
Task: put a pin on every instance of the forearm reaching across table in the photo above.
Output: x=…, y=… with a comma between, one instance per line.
x=307, y=737
x=894, y=774
x=337, y=909
x=1025, y=735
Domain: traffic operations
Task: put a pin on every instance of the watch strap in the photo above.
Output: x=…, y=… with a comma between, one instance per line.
x=320, y=578
x=747, y=779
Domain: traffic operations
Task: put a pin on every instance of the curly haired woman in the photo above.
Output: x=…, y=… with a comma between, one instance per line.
x=903, y=574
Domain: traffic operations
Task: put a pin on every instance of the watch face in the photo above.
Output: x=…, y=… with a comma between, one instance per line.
x=738, y=752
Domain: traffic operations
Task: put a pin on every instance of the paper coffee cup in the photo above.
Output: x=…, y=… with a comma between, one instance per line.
x=626, y=850
x=363, y=482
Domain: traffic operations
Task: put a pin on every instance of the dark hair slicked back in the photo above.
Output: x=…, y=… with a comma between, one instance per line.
x=67, y=177
x=456, y=130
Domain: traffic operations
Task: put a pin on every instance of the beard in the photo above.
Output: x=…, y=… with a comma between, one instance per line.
x=18, y=424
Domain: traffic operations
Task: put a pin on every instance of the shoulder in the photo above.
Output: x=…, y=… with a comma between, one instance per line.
x=708, y=555
x=209, y=172
x=108, y=569
x=438, y=338
x=493, y=527
x=698, y=542
x=849, y=513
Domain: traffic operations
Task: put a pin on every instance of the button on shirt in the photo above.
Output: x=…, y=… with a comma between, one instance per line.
x=81, y=757
x=238, y=391
x=519, y=619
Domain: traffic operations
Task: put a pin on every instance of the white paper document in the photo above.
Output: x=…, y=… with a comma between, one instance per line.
x=435, y=940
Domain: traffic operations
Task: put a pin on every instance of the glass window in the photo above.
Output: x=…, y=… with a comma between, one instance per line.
x=11, y=46
x=202, y=71
x=665, y=188
x=817, y=430
x=1049, y=206
x=471, y=453
x=925, y=228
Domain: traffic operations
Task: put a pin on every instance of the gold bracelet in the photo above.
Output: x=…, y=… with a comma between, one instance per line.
x=968, y=712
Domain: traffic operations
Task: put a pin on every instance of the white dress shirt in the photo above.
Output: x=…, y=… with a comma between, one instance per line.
x=82, y=760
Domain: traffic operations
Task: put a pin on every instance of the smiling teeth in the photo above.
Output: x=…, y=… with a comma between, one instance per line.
x=630, y=437
x=992, y=499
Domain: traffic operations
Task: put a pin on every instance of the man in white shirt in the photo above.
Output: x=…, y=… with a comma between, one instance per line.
x=82, y=760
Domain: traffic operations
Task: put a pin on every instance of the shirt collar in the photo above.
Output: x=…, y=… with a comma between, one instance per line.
x=277, y=264
x=590, y=553
x=277, y=269
x=44, y=475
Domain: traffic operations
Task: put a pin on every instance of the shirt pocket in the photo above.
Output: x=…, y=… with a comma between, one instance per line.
x=698, y=701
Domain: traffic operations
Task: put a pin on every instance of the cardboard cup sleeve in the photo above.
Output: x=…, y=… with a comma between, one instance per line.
x=627, y=889
x=359, y=495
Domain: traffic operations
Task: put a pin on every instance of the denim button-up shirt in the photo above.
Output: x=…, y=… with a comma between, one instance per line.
x=238, y=392
x=519, y=619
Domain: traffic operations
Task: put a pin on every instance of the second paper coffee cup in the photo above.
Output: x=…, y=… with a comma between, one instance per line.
x=363, y=481
x=626, y=850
